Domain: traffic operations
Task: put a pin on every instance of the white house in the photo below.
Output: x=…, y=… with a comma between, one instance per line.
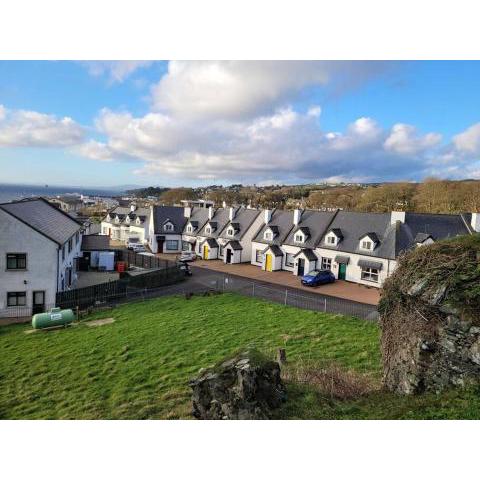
x=39, y=245
x=123, y=223
x=165, y=229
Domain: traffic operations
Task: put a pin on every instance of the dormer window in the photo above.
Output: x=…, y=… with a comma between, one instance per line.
x=168, y=227
x=127, y=220
x=230, y=232
x=299, y=238
x=366, y=244
x=331, y=240
x=268, y=235
x=208, y=230
x=189, y=229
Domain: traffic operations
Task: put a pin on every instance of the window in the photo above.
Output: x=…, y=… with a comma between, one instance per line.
x=63, y=252
x=208, y=230
x=230, y=232
x=186, y=246
x=366, y=244
x=326, y=263
x=77, y=238
x=69, y=245
x=168, y=227
x=16, y=261
x=370, y=274
x=331, y=240
x=289, y=260
x=268, y=235
x=171, y=244
x=189, y=229
x=259, y=256
x=16, y=299
x=220, y=251
x=299, y=237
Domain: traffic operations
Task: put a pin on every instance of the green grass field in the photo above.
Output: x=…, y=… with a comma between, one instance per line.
x=139, y=366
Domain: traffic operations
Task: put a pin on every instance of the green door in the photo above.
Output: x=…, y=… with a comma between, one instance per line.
x=342, y=271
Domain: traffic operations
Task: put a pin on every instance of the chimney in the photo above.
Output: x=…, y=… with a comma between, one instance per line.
x=397, y=217
x=476, y=222
x=296, y=216
x=187, y=212
x=268, y=215
x=210, y=213
x=231, y=214
x=133, y=207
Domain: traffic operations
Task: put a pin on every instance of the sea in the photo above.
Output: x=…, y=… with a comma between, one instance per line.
x=9, y=192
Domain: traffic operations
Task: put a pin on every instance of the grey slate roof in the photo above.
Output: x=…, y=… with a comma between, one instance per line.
x=282, y=222
x=275, y=249
x=43, y=217
x=308, y=252
x=438, y=226
x=314, y=224
x=234, y=244
x=211, y=242
x=242, y=222
x=92, y=243
x=354, y=225
x=198, y=218
x=124, y=212
x=220, y=217
x=175, y=215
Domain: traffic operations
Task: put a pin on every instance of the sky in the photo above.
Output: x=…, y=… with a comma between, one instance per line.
x=180, y=123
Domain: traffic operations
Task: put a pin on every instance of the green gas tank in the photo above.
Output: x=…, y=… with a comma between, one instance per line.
x=54, y=318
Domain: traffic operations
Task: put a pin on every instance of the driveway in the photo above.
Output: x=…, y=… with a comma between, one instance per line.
x=339, y=289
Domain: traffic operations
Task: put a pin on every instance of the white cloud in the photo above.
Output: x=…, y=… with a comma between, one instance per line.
x=116, y=70
x=24, y=128
x=405, y=140
x=242, y=89
x=285, y=145
x=469, y=140
x=94, y=150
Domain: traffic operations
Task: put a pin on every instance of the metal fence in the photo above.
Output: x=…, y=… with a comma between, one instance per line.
x=143, y=261
x=216, y=282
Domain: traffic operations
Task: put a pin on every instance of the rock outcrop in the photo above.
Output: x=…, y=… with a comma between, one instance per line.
x=430, y=318
x=245, y=387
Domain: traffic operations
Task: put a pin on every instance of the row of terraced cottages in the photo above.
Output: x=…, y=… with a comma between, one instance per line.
x=357, y=247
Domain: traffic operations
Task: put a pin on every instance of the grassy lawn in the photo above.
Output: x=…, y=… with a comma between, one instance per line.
x=139, y=366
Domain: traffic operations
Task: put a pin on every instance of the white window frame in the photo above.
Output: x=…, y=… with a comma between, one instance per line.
x=167, y=242
x=299, y=238
x=208, y=230
x=189, y=228
x=268, y=235
x=370, y=274
x=331, y=240
x=326, y=263
x=366, y=244
x=231, y=232
x=258, y=256
x=168, y=227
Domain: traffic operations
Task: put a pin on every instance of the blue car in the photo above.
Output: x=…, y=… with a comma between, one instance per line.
x=318, y=277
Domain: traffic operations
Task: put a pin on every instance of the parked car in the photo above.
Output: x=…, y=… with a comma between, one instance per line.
x=138, y=248
x=185, y=268
x=187, y=256
x=133, y=241
x=147, y=254
x=318, y=277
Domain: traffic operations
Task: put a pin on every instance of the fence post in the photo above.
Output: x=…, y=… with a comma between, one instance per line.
x=286, y=296
x=325, y=304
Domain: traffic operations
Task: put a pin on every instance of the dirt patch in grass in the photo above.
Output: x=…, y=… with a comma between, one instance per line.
x=101, y=321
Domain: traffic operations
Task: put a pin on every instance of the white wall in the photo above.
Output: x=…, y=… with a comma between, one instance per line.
x=154, y=244
x=67, y=263
x=41, y=272
x=353, y=273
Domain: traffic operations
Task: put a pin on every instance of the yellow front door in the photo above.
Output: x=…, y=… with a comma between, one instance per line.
x=205, y=252
x=268, y=263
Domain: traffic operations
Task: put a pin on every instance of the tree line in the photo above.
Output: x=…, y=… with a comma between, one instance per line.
x=430, y=196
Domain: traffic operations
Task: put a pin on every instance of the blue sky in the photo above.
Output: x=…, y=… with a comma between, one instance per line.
x=194, y=123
